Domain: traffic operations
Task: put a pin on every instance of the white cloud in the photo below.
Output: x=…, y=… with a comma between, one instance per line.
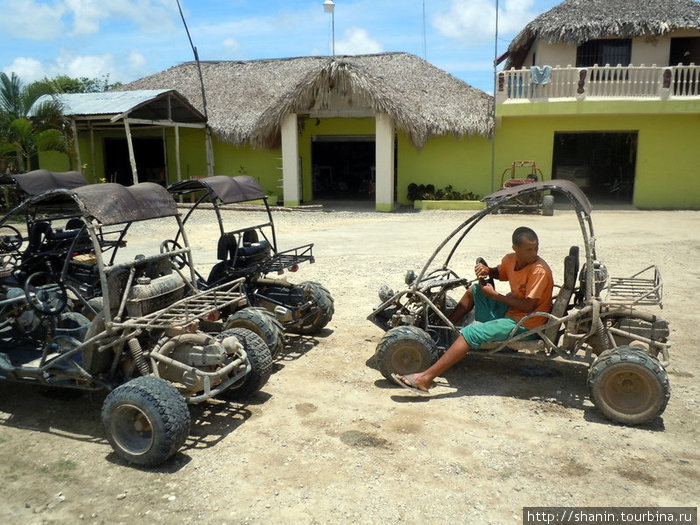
x=475, y=20
x=90, y=66
x=27, y=69
x=31, y=20
x=137, y=61
x=356, y=41
x=231, y=44
x=86, y=16
x=151, y=16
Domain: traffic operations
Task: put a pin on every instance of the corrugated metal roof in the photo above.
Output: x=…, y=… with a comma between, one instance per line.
x=104, y=103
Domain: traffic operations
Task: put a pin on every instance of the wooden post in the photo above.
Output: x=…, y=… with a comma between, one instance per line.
x=166, y=167
x=74, y=128
x=209, y=151
x=132, y=157
x=177, y=153
x=92, y=150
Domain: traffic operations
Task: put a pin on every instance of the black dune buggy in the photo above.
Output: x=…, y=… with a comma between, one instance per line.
x=251, y=253
x=80, y=310
x=15, y=187
x=595, y=318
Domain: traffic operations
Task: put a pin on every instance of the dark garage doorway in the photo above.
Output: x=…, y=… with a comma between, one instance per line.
x=343, y=168
x=602, y=163
x=150, y=160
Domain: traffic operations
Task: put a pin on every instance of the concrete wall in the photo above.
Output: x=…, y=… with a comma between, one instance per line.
x=464, y=163
x=668, y=157
x=647, y=50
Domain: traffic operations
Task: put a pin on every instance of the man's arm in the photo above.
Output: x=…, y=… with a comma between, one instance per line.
x=526, y=305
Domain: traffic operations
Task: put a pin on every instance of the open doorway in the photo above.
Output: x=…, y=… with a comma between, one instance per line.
x=150, y=160
x=343, y=167
x=601, y=163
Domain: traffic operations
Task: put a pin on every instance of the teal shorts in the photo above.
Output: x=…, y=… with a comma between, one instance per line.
x=489, y=321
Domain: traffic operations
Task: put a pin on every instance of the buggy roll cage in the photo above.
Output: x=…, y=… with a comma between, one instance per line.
x=219, y=190
x=500, y=198
x=222, y=189
x=104, y=205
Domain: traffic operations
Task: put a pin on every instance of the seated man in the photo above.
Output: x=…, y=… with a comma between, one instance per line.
x=495, y=315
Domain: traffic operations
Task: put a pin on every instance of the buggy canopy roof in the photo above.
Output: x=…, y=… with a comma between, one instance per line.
x=228, y=189
x=110, y=203
x=40, y=181
x=566, y=187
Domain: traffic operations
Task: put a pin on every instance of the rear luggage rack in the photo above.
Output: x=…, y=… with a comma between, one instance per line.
x=192, y=308
x=288, y=258
x=642, y=288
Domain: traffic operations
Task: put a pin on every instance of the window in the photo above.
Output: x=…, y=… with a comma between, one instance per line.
x=602, y=52
x=685, y=51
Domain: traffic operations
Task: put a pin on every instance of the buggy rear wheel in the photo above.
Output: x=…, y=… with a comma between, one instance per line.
x=322, y=301
x=260, y=364
x=628, y=385
x=261, y=322
x=405, y=350
x=146, y=420
x=548, y=205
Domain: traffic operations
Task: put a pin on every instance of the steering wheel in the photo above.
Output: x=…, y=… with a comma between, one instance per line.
x=179, y=260
x=45, y=294
x=10, y=242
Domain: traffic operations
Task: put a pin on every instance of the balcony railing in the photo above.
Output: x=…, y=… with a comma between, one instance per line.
x=597, y=82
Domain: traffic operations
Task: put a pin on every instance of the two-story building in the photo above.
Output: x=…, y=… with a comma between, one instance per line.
x=602, y=92
x=607, y=93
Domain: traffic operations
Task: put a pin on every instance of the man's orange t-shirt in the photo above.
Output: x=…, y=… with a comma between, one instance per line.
x=534, y=281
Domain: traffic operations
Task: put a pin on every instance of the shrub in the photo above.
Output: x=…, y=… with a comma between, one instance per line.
x=429, y=193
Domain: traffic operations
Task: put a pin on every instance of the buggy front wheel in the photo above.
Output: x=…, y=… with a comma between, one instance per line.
x=405, y=350
x=628, y=385
x=146, y=420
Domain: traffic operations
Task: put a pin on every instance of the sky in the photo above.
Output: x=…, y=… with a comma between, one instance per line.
x=130, y=39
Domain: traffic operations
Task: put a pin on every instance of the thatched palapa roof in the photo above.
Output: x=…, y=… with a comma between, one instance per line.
x=577, y=21
x=246, y=101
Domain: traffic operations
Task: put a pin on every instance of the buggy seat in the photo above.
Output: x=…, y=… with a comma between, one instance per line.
x=559, y=308
x=242, y=251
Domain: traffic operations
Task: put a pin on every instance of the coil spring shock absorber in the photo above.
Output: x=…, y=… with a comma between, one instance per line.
x=137, y=354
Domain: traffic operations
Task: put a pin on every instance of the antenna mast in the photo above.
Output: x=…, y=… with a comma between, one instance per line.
x=210, y=151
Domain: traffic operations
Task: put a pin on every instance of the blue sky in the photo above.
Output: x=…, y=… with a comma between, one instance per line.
x=129, y=39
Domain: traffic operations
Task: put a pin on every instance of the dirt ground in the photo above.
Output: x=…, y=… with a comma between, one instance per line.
x=328, y=440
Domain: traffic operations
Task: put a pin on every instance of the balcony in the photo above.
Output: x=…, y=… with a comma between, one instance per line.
x=598, y=82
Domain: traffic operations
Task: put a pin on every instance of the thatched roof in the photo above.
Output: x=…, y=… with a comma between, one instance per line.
x=577, y=21
x=246, y=101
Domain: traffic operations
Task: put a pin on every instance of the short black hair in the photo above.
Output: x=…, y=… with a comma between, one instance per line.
x=524, y=233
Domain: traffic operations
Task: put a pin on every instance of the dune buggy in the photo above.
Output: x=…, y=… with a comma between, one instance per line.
x=80, y=310
x=527, y=202
x=595, y=318
x=251, y=253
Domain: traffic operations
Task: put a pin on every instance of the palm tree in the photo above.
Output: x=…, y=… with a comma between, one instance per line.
x=27, y=128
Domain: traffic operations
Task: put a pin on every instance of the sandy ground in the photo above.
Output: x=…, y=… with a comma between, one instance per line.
x=328, y=440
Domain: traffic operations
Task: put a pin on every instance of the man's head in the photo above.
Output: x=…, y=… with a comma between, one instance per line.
x=525, y=245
